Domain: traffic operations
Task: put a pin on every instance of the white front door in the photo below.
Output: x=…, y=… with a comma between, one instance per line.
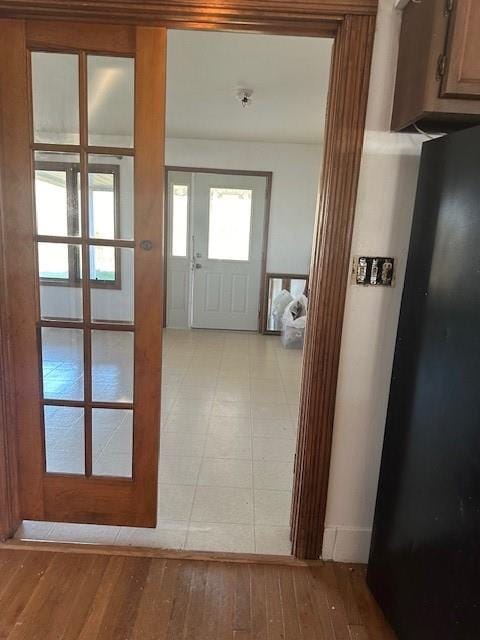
x=228, y=219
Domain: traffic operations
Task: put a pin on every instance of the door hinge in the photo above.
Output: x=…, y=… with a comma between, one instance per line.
x=441, y=66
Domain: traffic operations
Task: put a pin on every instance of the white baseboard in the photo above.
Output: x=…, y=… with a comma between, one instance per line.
x=346, y=544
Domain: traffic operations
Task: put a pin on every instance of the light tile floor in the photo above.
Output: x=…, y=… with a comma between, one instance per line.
x=229, y=412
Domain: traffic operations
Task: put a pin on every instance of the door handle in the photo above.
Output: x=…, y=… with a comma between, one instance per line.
x=198, y=265
x=146, y=245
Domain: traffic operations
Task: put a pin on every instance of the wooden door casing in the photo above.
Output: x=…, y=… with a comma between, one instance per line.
x=351, y=23
x=61, y=497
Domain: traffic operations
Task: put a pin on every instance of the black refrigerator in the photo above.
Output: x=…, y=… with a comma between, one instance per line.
x=424, y=567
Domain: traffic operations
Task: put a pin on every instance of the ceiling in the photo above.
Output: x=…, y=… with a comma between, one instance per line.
x=288, y=76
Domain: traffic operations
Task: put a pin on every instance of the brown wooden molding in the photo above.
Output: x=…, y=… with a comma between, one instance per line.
x=157, y=552
x=352, y=24
x=310, y=16
x=9, y=505
x=9, y=489
x=328, y=279
x=122, y=40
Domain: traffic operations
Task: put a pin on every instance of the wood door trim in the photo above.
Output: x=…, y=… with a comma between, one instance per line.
x=9, y=506
x=155, y=552
x=346, y=110
x=150, y=102
x=119, y=40
x=302, y=17
x=16, y=172
x=352, y=24
x=266, y=225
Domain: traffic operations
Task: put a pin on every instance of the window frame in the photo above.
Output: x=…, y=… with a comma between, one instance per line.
x=72, y=172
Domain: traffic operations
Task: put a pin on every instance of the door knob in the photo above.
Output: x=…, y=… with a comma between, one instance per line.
x=146, y=245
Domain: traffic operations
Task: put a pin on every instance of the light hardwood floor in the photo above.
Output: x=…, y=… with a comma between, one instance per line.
x=68, y=595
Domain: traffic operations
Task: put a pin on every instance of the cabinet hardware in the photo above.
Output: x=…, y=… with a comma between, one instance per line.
x=441, y=66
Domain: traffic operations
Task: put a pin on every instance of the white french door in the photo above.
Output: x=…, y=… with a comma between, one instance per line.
x=216, y=240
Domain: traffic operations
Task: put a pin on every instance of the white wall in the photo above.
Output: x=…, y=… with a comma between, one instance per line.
x=296, y=170
x=382, y=227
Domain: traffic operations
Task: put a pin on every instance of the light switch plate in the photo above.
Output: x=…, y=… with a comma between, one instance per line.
x=373, y=271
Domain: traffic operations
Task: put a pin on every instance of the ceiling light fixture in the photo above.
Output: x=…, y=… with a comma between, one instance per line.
x=245, y=97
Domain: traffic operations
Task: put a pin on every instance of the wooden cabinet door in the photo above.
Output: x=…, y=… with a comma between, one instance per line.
x=82, y=120
x=462, y=74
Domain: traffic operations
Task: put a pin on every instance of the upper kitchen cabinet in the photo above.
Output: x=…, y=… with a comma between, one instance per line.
x=438, y=73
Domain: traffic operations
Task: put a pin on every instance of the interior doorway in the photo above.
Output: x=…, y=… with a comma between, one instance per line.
x=354, y=35
x=230, y=394
x=216, y=231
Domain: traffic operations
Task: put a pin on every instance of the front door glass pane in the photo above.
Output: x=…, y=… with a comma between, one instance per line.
x=229, y=224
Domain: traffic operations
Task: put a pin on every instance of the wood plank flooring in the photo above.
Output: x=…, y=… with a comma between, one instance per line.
x=49, y=595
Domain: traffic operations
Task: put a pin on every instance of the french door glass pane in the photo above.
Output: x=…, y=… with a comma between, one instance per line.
x=57, y=198
x=102, y=265
x=112, y=442
x=110, y=197
x=229, y=224
x=55, y=97
x=53, y=262
x=51, y=202
x=179, y=220
x=62, y=363
x=60, y=271
x=112, y=300
x=109, y=290
x=111, y=82
x=112, y=366
x=64, y=440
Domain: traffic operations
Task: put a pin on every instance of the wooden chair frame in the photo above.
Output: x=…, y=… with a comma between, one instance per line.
x=351, y=23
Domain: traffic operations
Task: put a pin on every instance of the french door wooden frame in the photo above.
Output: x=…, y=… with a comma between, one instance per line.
x=351, y=23
x=86, y=497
